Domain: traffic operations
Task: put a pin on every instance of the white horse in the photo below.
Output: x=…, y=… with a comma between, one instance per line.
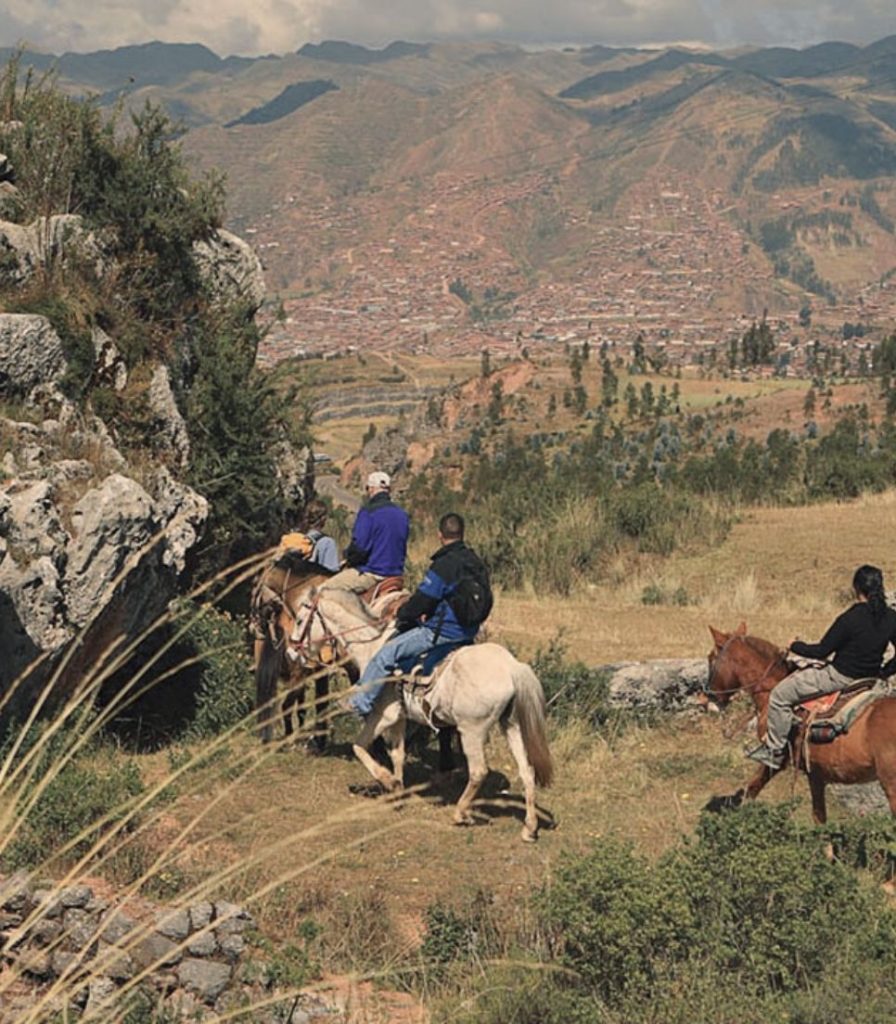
x=475, y=687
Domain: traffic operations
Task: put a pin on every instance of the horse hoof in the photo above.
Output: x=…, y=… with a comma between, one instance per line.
x=464, y=820
x=528, y=836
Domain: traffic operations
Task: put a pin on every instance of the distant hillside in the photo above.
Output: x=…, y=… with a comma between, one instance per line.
x=616, y=81
x=451, y=193
x=350, y=53
x=291, y=99
x=131, y=66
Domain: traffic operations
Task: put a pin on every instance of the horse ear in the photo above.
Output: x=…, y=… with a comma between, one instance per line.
x=741, y=629
x=718, y=636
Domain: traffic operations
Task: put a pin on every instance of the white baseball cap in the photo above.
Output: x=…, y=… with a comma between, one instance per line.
x=379, y=479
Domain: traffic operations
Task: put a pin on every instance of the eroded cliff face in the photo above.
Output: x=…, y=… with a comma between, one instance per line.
x=88, y=541
x=94, y=542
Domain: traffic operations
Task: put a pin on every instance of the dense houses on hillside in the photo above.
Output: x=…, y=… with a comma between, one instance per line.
x=673, y=265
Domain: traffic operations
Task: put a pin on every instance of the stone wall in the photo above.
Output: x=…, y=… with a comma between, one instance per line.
x=88, y=954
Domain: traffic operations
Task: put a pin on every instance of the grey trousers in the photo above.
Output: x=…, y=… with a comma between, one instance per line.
x=351, y=579
x=807, y=682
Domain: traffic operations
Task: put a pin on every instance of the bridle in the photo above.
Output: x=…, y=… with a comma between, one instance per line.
x=332, y=640
x=712, y=694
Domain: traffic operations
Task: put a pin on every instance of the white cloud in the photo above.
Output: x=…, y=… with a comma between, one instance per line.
x=233, y=26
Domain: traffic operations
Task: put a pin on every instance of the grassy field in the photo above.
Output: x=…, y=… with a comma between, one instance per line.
x=365, y=870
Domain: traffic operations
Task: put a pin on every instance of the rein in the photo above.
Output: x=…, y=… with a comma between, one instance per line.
x=752, y=688
x=335, y=640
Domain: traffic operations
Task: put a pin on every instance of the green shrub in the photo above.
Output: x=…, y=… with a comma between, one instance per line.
x=225, y=690
x=96, y=784
x=618, y=924
x=752, y=898
x=574, y=692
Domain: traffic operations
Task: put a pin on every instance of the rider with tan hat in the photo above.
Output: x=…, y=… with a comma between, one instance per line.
x=379, y=540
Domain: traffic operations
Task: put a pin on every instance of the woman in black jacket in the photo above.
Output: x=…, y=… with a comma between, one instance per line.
x=858, y=639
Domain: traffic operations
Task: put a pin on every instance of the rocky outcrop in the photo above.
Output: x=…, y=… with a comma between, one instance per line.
x=84, y=543
x=231, y=270
x=31, y=353
x=171, y=434
x=192, y=962
x=47, y=242
x=91, y=546
x=671, y=684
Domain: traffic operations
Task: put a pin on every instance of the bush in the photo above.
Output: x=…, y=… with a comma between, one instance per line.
x=88, y=794
x=574, y=692
x=752, y=898
x=225, y=691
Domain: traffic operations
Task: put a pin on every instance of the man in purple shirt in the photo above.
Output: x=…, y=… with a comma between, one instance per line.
x=379, y=540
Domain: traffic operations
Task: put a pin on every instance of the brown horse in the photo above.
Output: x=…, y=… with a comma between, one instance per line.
x=275, y=600
x=740, y=663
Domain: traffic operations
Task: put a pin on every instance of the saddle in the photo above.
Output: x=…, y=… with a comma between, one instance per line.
x=387, y=585
x=825, y=718
x=417, y=679
x=384, y=598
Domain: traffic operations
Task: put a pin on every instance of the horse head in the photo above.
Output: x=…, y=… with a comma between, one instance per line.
x=739, y=662
x=328, y=623
x=722, y=681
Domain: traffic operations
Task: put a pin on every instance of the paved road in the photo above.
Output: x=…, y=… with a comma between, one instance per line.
x=330, y=486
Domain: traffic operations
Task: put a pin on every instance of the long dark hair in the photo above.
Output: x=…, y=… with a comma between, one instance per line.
x=869, y=582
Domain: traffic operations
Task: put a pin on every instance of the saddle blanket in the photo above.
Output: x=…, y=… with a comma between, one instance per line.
x=841, y=710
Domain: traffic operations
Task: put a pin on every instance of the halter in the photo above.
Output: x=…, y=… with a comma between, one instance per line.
x=712, y=694
x=335, y=640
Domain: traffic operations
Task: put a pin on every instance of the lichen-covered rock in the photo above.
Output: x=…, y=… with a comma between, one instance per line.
x=670, y=684
x=31, y=353
x=47, y=242
x=231, y=270
x=170, y=435
x=110, y=368
x=112, y=524
x=206, y=978
x=295, y=473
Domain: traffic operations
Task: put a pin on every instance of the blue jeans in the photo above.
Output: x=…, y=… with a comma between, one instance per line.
x=408, y=645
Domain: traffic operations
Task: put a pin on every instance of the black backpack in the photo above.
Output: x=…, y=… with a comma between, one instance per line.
x=471, y=600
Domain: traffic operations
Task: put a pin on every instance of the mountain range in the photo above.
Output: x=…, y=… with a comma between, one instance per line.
x=381, y=177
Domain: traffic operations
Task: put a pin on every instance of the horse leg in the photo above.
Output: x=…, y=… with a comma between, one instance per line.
x=321, y=733
x=514, y=738
x=446, y=754
x=819, y=806
x=293, y=700
x=394, y=736
x=473, y=743
x=373, y=727
x=759, y=781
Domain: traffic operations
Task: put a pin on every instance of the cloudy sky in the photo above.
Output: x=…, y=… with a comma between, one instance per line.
x=279, y=26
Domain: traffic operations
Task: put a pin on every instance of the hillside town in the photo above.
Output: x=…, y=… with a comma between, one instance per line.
x=672, y=265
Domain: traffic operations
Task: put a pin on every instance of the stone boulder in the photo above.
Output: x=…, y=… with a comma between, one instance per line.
x=171, y=435
x=47, y=242
x=31, y=353
x=108, y=562
x=231, y=270
x=670, y=684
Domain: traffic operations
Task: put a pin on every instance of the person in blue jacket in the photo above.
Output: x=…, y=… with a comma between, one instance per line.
x=324, y=553
x=379, y=541
x=428, y=618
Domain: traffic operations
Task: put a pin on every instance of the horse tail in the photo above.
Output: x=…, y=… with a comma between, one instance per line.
x=268, y=667
x=530, y=713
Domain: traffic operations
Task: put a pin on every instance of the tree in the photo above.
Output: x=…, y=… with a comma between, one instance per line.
x=609, y=384
x=485, y=363
x=638, y=364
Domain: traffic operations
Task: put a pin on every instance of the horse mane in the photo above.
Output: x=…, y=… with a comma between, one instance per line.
x=350, y=602
x=763, y=647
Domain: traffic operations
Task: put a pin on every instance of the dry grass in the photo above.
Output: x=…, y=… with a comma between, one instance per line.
x=281, y=831
x=785, y=570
